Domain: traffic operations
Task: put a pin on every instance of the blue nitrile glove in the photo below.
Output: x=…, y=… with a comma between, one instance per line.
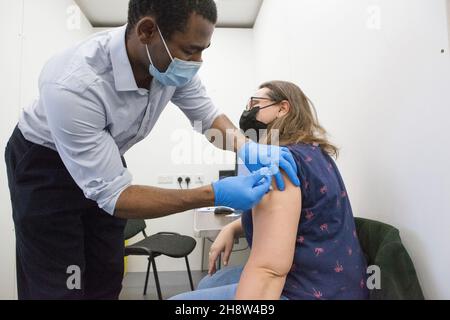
x=242, y=192
x=257, y=156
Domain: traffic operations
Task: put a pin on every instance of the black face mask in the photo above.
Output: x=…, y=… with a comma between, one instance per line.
x=248, y=121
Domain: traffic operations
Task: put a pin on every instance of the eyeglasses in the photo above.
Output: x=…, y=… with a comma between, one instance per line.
x=252, y=103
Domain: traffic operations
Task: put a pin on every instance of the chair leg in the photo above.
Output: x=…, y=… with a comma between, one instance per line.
x=189, y=273
x=146, y=277
x=203, y=253
x=155, y=273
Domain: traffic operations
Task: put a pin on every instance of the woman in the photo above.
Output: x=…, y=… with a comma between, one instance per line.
x=303, y=240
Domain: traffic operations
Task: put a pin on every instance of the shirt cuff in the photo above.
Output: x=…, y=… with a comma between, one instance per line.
x=106, y=193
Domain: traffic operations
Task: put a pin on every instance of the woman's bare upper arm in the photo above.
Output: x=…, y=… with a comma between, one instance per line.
x=275, y=224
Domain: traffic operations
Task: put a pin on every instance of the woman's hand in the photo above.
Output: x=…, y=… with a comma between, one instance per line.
x=223, y=243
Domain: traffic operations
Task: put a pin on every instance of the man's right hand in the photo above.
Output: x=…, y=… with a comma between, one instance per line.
x=242, y=192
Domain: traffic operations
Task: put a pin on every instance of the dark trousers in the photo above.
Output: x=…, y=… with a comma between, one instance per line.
x=66, y=247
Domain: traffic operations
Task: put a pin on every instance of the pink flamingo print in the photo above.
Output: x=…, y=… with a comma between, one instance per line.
x=308, y=159
x=306, y=184
x=309, y=215
x=301, y=239
x=361, y=283
x=354, y=234
x=317, y=294
x=318, y=251
x=349, y=251
x=323, y=190
x=329, y=167
x=324, y=227
x=343, y=194
x=339, y=267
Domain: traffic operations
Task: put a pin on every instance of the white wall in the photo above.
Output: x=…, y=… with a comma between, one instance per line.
x=10, y=30
x=448, y=22
x=383, y=93
x=228, y=73
x=31, y=32
x=58, y=25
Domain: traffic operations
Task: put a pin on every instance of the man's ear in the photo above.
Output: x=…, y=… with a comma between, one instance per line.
x=285, y=108
x=146, y=30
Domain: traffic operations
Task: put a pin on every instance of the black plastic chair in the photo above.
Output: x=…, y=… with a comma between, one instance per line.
x=163, y=243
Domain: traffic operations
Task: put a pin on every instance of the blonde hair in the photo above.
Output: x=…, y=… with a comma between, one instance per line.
x=300, y=124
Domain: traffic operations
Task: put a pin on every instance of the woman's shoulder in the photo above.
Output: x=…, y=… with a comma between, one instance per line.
x=304, y=152
x=311, y=160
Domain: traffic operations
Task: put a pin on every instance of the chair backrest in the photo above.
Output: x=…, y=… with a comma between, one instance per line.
x=133, y=227
x=383, y=247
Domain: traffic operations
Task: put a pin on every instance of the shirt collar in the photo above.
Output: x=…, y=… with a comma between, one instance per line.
x=123, y=73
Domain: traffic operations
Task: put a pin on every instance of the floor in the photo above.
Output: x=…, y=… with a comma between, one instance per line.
x=171, y=282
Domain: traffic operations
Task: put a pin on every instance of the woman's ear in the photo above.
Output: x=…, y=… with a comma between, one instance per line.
x=285, y=108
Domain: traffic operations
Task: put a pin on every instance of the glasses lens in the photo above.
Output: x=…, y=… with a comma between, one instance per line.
x=252, y=102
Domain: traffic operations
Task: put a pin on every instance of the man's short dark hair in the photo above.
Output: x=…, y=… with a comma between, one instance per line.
x=170, y=15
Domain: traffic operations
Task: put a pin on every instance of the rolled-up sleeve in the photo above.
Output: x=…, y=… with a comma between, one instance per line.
x=195, y=103
x=78, y=126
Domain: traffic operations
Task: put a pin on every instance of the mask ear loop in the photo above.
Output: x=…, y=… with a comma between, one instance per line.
x=164, y=42
x=165, y=45
x=148, y=54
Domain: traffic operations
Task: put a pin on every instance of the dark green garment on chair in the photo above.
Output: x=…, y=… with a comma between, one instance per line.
x=383, y=247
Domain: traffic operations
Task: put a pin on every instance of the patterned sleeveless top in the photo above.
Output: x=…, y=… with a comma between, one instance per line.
x=328, y=260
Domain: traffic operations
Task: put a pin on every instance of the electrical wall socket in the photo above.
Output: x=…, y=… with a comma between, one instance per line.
x=196, y=179
x=183, y=176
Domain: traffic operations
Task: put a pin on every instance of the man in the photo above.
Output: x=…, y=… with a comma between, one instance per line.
x=70, y=189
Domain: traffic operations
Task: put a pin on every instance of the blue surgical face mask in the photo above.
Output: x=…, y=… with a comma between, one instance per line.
x=179, y=72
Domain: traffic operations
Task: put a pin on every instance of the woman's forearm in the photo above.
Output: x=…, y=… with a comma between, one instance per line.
x=237, y=228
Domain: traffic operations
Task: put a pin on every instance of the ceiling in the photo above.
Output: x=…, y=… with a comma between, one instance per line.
x=113, y=13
